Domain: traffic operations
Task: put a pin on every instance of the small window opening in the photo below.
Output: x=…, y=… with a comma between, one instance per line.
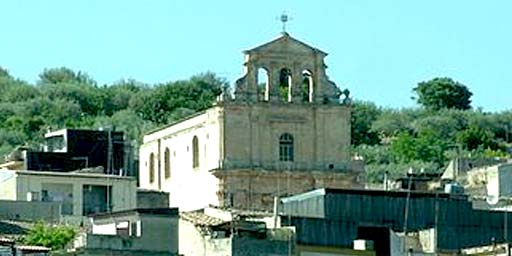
x=286, y=147
x=285, y=85
x=195, y=152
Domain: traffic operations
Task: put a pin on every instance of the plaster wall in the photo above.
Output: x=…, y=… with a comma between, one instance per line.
x=184, y=180
x=156, y=234
x=193, y=242
x=123, y=188
x=104, y=229
x=505, y=176
x=30, y=211
x=7, y=185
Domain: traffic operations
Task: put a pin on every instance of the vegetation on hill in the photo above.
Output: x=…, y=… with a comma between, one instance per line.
x=444, y=127
x=392, y=140
x=63, y=98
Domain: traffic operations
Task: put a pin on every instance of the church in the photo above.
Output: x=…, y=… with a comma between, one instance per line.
x=286, y=130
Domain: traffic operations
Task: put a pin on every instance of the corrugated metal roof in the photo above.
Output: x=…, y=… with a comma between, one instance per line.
x=303, y=196
x=6, y=240
x=33, y=248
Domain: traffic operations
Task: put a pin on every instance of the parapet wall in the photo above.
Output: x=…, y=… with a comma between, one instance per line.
x=30, y=210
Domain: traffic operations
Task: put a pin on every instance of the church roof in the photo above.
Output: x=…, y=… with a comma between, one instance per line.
x=285, y=38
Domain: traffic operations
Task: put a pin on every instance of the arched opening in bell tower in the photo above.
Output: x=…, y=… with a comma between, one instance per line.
x=307, y=86
x=263, y=84
x=285, y=85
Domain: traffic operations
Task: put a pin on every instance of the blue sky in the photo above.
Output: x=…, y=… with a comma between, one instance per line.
x=379, y=50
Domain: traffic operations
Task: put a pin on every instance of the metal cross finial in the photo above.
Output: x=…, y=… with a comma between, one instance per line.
x=284, y=19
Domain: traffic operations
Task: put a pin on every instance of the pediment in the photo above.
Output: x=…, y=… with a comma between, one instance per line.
x=285, y=43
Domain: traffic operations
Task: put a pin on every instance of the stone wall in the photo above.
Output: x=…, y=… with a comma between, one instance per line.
x=255, y=189
x=321, y=136
x=245, y=132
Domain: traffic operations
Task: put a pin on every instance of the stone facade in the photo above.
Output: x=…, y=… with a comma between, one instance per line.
x=286, y=134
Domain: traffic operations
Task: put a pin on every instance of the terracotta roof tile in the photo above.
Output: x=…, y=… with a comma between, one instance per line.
x=201, y=219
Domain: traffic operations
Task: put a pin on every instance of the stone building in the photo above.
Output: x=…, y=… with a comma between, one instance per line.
x=286, y=131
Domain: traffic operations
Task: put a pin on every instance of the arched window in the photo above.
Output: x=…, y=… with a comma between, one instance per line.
x=286, y=147
x=307, y=86
x=167, y=163
x=195, y=152
x=151, y=168
x=263, y=84
x=285, y=85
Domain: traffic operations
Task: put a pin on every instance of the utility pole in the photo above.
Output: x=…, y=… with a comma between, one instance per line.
x=406, y=217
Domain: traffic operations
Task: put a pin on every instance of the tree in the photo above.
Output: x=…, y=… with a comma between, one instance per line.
x=440, y=93
x=55, y=237
x=169, y=101
x=119, y=95
x=446, y=123
x=426, y=147
x=363, y=115
x=64, y=75
x=477, y=138
x=393, y=122
x=89, y=97
x=4, y=72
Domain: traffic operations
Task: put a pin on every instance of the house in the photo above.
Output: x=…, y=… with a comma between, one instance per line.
x=9, y=247
x=213, y=231
x=332, y=219
x=72, y=149
x=286, y=131
x=491, y=180
x=131, y=232
x=79, y=194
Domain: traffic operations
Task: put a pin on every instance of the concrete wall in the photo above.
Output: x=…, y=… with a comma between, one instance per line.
x=123, y=188
x=160, y=233
x=7, y=185
x=117, y=245
x=152, y=199
x=269, y=246
x=505, y=176
x=157, y=233
x=192, y=242
x=30, y=211
x=495, y=179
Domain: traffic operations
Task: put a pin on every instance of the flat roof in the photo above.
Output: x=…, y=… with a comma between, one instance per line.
x=149, y=211
x=370, y=192
x=69, y=174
